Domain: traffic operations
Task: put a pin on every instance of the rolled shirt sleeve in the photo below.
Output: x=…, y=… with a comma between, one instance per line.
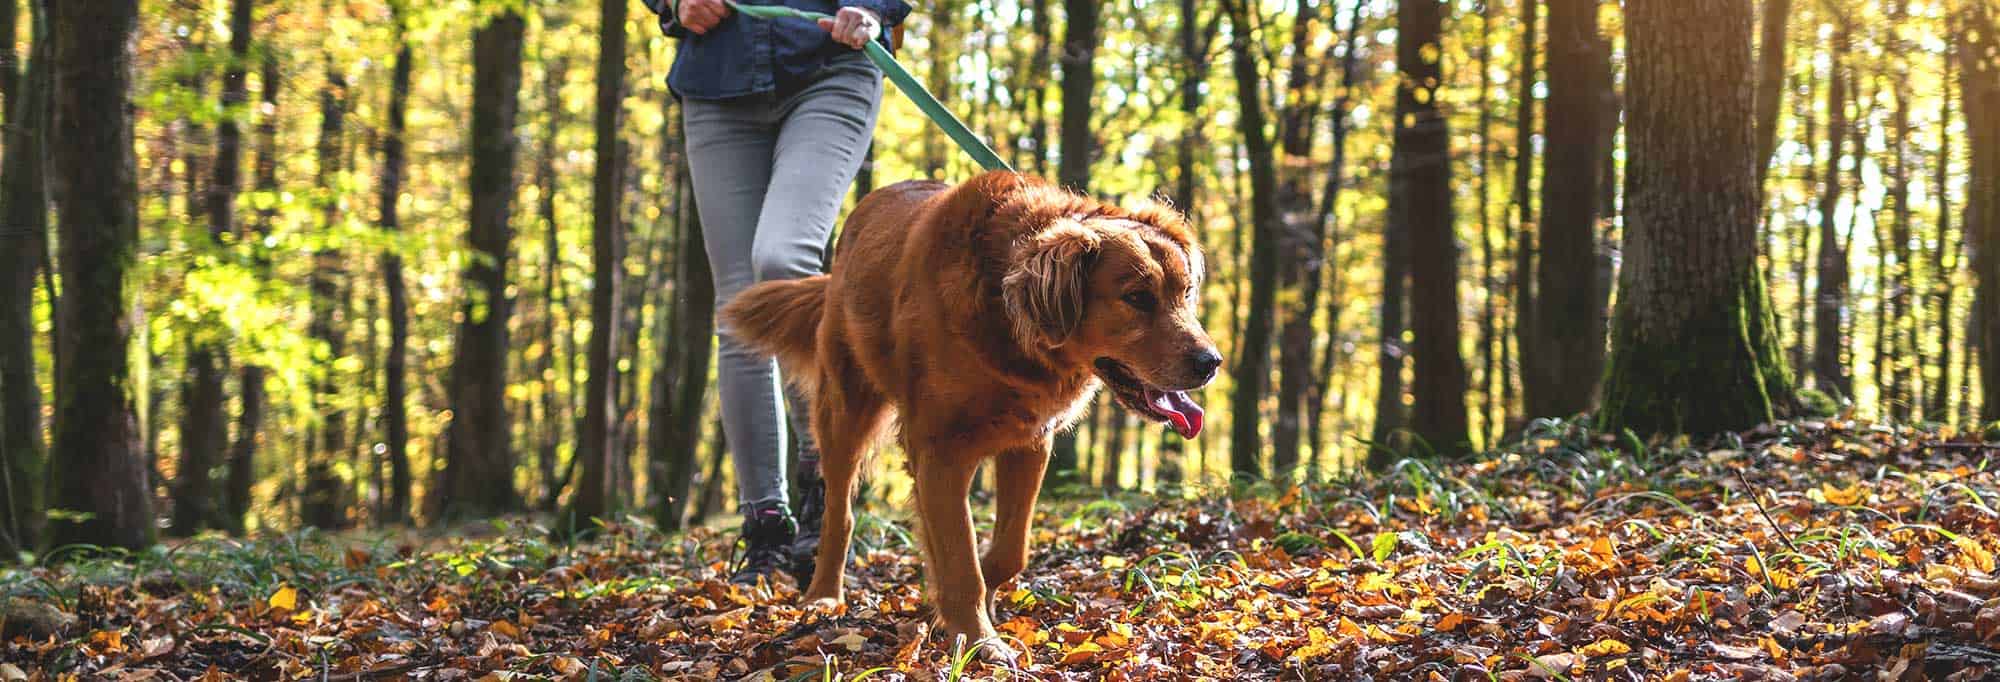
x=670, y=22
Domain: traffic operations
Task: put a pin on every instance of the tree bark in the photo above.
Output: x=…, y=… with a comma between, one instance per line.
x=1489, y=317
x=98, y=467
x=1079, y=81
x=204, y=427
x=1943, y=271
x=554, y=416
x=250, y=393
x=1253, y=357
x=1901, y=342
x=1420, y=198
x=479, y=464
x=1830, y=300
x=596, y=485
x=321, y=504
x=1329, y=229
x=1695, y=350
x=1524, y=200
x=395, y=398
x=1770, y=81
x=677, y=433
x=24, y=204
x=1300, y=244
x=1979, y=74
x=1568, y=352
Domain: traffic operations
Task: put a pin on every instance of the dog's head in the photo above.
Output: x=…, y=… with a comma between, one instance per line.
x=1117, y=288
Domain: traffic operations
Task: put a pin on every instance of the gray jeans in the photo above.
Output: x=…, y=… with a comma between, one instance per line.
x=770, y=171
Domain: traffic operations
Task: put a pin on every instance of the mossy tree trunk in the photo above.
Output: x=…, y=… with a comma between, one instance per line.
x=1694, y=349
x=24, y=206
x=98, y=465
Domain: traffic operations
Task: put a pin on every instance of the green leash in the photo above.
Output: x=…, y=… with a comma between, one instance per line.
x=927, y=103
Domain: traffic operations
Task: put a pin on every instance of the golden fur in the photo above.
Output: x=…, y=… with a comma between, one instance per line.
x=984, y=315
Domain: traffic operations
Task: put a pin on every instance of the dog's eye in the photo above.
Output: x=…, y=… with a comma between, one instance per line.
x=1142, y=300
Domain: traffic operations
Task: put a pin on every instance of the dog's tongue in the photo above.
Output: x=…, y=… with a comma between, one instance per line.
x=1179, y=409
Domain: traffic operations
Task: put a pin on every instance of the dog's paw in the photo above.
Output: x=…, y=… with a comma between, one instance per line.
x=824, y=606
x=993, y=651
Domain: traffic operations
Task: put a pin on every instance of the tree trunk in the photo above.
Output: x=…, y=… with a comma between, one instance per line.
x=596, y=486
x=1079, y=81
x=1114, y=452
x=1329, y=228
x=1979, y=69
x=677, y=433
x=1695, y=350
x=250, y=420
x=1567, y=359
x=1038, y=92
x=1300, y=245
x=1524, y=201
x=553, y=415
x=1770, y=81
x=321, y=502
x=395, y=398
x=479, y=464
x=1943, y=272
x=204, y=427
x=1829, y=302
x=1420, y=198
x=1902, y=329
x=1253, y=357
x=1802, y=235
x=24, y=205
x=98, y=467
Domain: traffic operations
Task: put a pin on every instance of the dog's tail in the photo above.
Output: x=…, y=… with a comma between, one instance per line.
x=781, y=317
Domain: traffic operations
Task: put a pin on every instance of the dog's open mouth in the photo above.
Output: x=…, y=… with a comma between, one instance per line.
x=1174, y=408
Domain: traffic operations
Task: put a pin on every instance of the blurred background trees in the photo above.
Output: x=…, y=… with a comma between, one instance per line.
x=377, y=261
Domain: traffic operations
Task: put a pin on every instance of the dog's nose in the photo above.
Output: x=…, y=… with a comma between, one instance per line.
x=1205, y=362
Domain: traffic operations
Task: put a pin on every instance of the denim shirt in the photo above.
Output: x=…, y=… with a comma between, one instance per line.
x=747, y=55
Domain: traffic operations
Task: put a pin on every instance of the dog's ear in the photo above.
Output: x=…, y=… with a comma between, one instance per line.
x=1045, y=287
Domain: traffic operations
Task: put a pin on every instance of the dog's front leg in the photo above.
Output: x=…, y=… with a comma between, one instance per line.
x=1017, y=480
x=944, y=479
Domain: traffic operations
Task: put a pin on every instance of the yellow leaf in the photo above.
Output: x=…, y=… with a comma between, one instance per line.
x=1605, y=647
x=1114, y=561
x=1847, y=496
x=285, y=598
x=1971, y=555
x=1451, y=622
x=1082, y=653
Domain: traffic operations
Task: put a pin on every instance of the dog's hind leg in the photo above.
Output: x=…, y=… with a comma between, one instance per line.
x=1017, y=480
x=846, y=415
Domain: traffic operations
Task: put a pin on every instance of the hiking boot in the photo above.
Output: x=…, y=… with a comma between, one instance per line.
x=766, y=540
x=811, y=513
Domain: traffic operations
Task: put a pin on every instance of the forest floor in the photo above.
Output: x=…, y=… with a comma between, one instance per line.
x=1806, y=550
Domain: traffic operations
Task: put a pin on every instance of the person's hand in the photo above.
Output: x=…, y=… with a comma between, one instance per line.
x=701, y=15
x=853, y=27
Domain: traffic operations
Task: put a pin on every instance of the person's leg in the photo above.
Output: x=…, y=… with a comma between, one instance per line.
x=825, y=133
x=730, y=146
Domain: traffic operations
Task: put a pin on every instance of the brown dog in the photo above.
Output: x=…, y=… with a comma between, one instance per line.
x=986, y=315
